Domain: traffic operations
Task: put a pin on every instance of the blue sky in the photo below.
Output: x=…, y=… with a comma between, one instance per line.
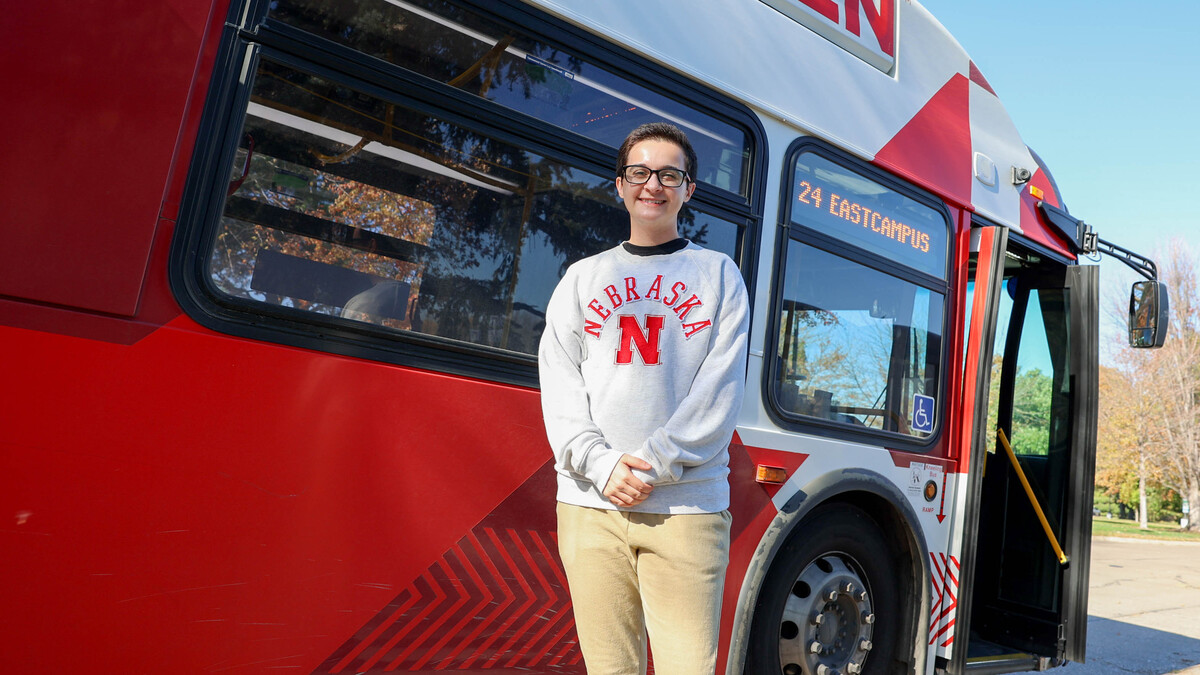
x=1108, y=94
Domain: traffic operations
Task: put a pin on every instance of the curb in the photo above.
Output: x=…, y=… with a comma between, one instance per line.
x=1147, y=540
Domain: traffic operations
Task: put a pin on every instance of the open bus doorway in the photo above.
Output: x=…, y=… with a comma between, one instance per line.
x=1028, y=599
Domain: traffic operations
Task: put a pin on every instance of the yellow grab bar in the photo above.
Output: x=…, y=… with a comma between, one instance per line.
x=1012, y=457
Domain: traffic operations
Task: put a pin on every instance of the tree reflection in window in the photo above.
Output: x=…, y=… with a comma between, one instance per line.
x=502, y=64
x=365, y=210
x=855, y=345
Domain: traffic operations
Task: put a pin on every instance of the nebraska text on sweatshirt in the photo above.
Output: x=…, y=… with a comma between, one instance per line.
x=646, y=355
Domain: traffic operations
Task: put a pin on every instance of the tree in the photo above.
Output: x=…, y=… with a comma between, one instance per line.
x=1152, y=416
x=1175, y=389
x=1125, y=464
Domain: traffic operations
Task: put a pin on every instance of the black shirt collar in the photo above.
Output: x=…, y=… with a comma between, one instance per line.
x=662, y=249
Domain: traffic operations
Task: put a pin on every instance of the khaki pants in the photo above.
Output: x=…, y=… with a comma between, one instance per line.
x=630, y=573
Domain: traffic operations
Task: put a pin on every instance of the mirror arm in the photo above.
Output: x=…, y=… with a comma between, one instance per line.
x=1134, y=261
x=1083, y=240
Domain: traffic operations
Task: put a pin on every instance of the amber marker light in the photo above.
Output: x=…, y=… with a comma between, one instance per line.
x=1037, y=192
x=770, y=474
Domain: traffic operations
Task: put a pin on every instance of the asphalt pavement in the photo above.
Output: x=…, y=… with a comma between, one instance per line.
x=1143, y=609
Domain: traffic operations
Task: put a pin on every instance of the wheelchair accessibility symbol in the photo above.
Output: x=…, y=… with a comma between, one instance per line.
x=922, y=417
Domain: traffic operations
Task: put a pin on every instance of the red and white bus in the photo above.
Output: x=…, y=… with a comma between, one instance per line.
x=273, y=274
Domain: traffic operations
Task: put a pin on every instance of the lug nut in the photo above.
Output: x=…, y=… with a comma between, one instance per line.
x=868, y=618
x=862, y=596
x=817, y=619
x=849, y=588
x=823, y=669
x=865, y=645
x=815, y=647
x=853, y=668
x=831, y=595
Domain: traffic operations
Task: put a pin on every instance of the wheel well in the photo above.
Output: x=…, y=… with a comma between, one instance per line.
x=884, y=504
x=908, y=556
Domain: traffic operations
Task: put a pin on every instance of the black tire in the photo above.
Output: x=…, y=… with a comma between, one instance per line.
x=836, y=545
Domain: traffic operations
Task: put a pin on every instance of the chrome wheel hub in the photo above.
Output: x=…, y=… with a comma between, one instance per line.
x=827, y=622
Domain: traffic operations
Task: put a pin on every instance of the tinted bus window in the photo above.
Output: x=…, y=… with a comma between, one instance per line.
x=861, y=306
x=506, y=66
x=857, y=346
x=343, y=207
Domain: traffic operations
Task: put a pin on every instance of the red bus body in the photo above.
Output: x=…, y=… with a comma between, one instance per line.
x=177, y=499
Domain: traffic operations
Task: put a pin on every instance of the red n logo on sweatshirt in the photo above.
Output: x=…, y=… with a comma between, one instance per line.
x=646, y=342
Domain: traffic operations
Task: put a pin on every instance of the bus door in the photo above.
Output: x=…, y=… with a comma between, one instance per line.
x=1032, y=526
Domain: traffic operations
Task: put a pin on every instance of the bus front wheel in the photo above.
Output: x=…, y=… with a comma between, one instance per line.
x=828, y=605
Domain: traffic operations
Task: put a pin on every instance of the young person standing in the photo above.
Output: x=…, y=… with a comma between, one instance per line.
x=642, y=367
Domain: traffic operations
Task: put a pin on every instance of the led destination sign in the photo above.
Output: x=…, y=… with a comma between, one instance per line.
x=856, y=213
x=831, y=199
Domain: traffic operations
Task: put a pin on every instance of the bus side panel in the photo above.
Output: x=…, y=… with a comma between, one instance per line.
x=93, y=124
x=198, y=501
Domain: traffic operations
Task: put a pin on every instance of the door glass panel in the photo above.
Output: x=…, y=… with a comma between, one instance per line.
x=1039, y=432
x=1039, y=410
x=1031, y=401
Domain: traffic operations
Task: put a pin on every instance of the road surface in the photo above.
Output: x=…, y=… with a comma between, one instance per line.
x=1144, y=609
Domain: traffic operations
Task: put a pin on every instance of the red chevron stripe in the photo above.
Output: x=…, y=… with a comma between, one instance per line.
x=412, y=599
x=409, y=625
x=942, y=631
x=563, y=603
x=529, y=600
x=463, y=599
x=509, y=598
x=473, y=613
x=950, y=586
x=937, y=585
x=497, y=598
x=572, y=644
x=567, y=647
x=945, y=586
x=553, y=609
x=950, y=574
x=535, y=615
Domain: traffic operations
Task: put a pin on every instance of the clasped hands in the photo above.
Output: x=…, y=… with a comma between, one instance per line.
x=624, y=488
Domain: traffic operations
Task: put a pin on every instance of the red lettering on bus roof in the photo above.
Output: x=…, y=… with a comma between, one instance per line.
x=826, y=8
x=881, y=20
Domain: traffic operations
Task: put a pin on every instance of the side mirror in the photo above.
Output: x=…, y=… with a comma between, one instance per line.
x=1149, y=315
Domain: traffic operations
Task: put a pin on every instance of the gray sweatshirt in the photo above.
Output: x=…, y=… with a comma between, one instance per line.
x=646, y=355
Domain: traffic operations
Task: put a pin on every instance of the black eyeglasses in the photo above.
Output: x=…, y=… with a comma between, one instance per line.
x=636, y=174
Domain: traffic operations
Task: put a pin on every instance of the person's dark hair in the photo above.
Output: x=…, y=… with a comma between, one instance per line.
x=659, y=131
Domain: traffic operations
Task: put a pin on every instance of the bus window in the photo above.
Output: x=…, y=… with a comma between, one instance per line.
x=857, y=346
x=505, y=65
x=861, y=302
x=344, y=207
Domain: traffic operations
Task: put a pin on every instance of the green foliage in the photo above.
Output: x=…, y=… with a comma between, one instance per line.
x=1031, y=413
x=1116, y=527
x=1105, y=503
x=1163, y=505
x=1032, y=398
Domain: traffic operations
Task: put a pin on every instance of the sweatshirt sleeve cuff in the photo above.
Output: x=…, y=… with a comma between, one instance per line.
x=663, y=471
x=601, y=462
